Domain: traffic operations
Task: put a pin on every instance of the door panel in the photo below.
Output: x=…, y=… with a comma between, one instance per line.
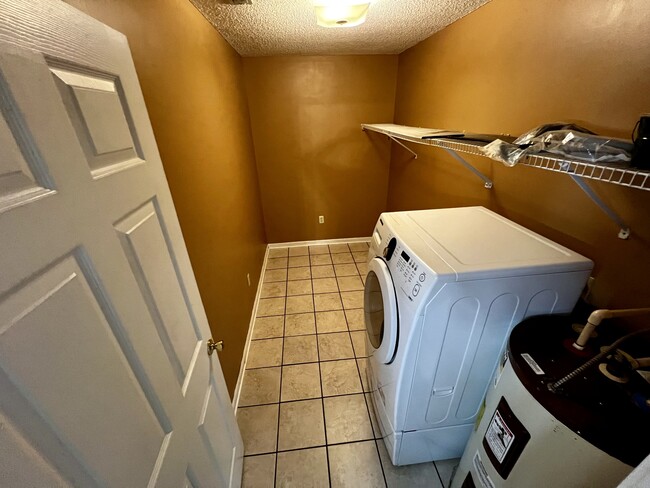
x=146, y=249
x=96, y=107
x=44, y=324
x=104, y=375
x=23, y=176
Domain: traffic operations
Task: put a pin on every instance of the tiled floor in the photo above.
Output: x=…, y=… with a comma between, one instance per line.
x=304, y=409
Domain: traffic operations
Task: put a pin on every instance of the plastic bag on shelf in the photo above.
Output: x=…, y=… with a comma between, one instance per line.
x=569, y=140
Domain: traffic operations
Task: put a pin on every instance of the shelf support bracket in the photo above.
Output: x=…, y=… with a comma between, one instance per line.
x=415, y=155
x=487, y=181
x=624, y=231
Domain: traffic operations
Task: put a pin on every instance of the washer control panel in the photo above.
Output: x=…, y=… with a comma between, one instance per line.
x=410, y=273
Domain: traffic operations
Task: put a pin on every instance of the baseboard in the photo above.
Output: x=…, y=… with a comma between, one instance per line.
x=251, y=325
x=247, y=345
x=316, y=243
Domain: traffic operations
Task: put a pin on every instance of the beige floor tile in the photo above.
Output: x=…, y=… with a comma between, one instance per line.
x=301, y=425
x=278, y=252
x=270, y=306
x=268, y=327
x=346, y=270
x=298, y=261
x=319, y=249
x=352, y=299
x=356, y=319
x=342, y=258
x=300, y=349
x=336, y=248
x=299, y=287
x=299, y=273
x=358, y=246
x=347, y=419
x=359, y=343
x=373, y=417
x=360, y=257
x=300, y=382
x=302, y=469
x=259, y=428
x=416, y=475
x=271, y=275
x=273, y=289
x=320, y=259
x=340, y=377
x=260, y=386
x=363, y=270
x=300, y=304
x=336, y=345
x=363, y=371
x=259, y=471
x=332, y=321
x=265, y=353
x=299, y=324
x=276, y=263
x=299, y=251
x=327, y=301
x=326, y=271
x=325, y=285
x=355, y=465
x=349, y=283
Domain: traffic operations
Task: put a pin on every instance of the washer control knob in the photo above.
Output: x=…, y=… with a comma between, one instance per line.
x=416, y=289
x=422, y=277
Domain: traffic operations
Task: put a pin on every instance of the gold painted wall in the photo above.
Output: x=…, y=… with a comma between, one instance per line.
x=312, y=157
x=192, y=82
x=512, y=65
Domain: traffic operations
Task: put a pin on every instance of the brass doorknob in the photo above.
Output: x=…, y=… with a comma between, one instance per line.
x=214, y=346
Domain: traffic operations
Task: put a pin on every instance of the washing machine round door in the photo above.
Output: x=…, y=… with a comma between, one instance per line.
x=380, y=310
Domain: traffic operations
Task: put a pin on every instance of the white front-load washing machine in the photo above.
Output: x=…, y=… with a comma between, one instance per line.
x=444, y=288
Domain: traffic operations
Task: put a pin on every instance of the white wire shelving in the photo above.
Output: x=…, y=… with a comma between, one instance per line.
x=577, y=170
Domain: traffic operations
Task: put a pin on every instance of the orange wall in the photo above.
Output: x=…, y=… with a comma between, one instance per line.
x=192, y=83
x=312, y=157
x=508, y=67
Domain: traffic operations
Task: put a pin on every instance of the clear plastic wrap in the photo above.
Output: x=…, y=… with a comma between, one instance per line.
x=568, y=140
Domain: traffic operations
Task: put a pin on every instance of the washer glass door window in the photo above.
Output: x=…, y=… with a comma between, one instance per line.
x=380, y=307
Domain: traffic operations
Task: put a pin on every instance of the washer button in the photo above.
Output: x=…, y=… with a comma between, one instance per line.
x=416, y=289
x=422, y=277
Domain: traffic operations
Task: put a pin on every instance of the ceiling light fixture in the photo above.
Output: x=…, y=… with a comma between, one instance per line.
x=341, y=13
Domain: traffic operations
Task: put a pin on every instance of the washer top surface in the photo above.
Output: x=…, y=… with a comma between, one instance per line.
x=474, y=242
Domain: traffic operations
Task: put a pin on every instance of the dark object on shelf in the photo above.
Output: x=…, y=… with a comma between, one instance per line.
x=484, y=137
x=641, y=139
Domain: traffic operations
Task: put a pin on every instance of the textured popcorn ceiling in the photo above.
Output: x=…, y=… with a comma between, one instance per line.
x=275, y=27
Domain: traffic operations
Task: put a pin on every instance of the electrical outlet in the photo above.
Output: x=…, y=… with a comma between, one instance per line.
x=321, y=219
x=248, y=277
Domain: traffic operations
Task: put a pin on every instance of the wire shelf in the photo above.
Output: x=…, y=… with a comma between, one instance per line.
x=615, y=174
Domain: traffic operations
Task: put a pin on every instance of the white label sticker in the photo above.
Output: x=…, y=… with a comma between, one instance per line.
x=482, y=475
x=499, y=437
x=533, y=365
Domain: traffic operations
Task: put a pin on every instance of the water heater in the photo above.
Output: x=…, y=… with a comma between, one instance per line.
x=590, y=431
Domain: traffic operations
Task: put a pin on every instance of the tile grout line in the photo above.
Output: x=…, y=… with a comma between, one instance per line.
x=320, y=374
x=284, y=317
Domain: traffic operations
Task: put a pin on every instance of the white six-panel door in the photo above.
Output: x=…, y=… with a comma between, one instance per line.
x=104, y=375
